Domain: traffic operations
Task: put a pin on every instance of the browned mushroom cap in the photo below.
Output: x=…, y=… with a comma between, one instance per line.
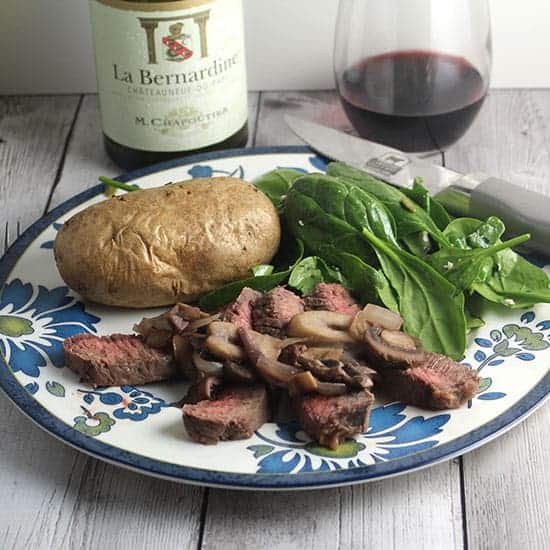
x=223, y=341
x=275, y=372
x=390, y=348
x=204, y=389
x=373, y=315
x=256, y=344
x=353, y=374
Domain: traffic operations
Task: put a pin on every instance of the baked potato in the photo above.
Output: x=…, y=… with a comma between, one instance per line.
x=160, y=246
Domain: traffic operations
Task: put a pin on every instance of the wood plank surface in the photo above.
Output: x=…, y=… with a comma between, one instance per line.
x=33, y=135
x=506, y=487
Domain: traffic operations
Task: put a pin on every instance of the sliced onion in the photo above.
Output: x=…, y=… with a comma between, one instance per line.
x=331, y=389
x=208, y=368
x=279, y=374
x=382, y=317
x=199, y=323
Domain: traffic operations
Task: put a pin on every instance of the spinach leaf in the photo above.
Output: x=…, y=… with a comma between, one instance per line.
x=321, y=231
x=472, y=322
x=349, y=203
x=408, y=220
x=421, y=196
x=367, y=284
x=276, y=184
x=464, y=267
x=511, y=280
x=310, y=272
x=473, y=233
x=431, y=307
x=515, y=282
x=227, y=293
x=260, y=270
x=418, y=244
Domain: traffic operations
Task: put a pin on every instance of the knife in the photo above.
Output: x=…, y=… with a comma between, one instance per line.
x=475, y=195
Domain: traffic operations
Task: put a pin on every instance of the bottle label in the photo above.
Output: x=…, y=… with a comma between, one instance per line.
x=171, y=75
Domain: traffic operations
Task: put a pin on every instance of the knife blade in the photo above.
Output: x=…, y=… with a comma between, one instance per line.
x=477, y=195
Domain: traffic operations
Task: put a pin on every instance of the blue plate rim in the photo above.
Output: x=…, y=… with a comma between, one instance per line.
x=311, y=480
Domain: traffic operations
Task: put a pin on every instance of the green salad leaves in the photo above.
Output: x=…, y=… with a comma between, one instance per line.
x=397, y=248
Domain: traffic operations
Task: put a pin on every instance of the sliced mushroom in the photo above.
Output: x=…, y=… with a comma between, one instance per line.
x=323, y=353
x=202, y=322
x=222, y=341
x=351, y=373
x=189, y=313
x=322, y=327
x=256, y=344
x=206, y=366
x=275, y=372
x=183, y=355
x=387, y=348
x=203, y=390
x=238, y=373
x=383, y=317
x=303, y=382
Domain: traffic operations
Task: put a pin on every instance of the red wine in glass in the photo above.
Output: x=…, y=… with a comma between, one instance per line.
x=412, y=100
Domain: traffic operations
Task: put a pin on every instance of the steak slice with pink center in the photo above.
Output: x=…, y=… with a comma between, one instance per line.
x=236, y=414
x=116, y=360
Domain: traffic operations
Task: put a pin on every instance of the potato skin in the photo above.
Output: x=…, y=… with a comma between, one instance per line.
x=156, y=247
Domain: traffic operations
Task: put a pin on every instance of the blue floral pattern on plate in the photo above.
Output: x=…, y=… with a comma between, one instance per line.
x=129, y=402
x=391, y=434
x=34, y=321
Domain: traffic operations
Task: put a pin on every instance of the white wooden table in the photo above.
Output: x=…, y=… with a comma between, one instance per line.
x=53, y=497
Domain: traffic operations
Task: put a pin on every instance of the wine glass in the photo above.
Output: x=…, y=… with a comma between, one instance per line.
x=413, y=74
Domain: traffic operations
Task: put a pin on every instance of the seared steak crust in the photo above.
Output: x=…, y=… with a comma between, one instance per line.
x=116, y=360
x=330, y=420
x=439, y=383
x=274, y=310
x=236, y=414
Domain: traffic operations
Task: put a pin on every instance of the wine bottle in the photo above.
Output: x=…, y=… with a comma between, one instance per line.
x=171, y=77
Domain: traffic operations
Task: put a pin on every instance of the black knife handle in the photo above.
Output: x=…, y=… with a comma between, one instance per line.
x=521, y=210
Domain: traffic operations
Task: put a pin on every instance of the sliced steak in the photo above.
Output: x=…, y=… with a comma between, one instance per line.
x=116, y=360
x=274, y=310
x=331, y=297
x=439, y=383
x=330, y=420
x=239, y=312
x=236, y=414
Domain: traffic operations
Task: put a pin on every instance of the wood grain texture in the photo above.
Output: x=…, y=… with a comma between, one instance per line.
x=420, y=511
x=507, y=493
x=33, y=134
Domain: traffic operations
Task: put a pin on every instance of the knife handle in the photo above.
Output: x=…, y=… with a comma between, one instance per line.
x=521, y=210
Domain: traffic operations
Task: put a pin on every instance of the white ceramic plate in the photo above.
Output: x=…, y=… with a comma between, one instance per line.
x=136, y=427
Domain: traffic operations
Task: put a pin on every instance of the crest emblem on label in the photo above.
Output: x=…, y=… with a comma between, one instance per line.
x=176, y=36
